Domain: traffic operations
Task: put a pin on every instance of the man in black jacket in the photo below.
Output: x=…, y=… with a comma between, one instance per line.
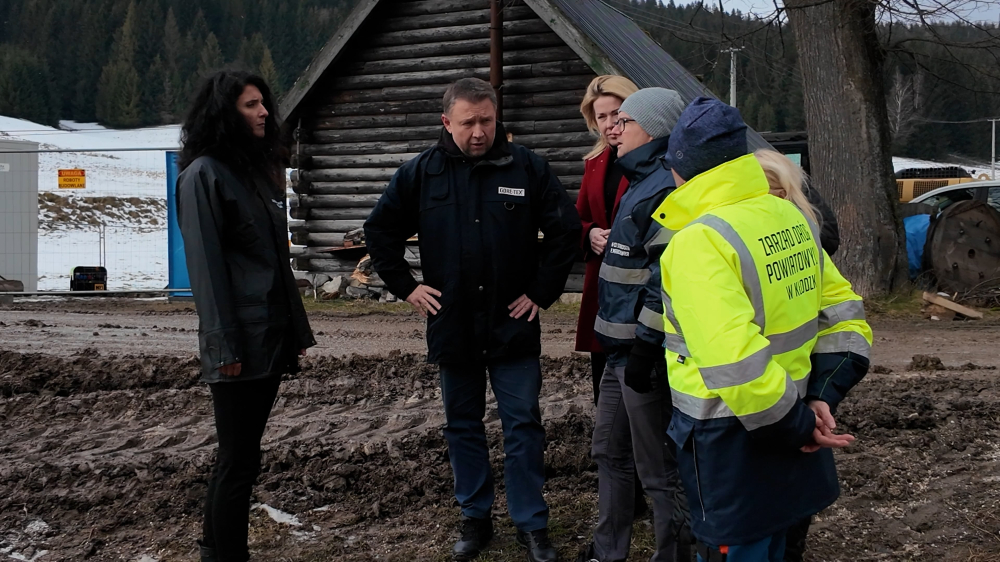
x=477, y=202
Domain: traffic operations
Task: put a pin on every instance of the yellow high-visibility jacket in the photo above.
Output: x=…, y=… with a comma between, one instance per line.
x=757, y=318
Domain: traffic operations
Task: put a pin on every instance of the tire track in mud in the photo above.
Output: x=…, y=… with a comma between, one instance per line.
x=114, y=443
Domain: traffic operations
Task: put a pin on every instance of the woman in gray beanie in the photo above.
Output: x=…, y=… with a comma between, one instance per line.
x=633, y=407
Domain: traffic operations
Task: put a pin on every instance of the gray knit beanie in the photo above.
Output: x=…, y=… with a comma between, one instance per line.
x=656, y=110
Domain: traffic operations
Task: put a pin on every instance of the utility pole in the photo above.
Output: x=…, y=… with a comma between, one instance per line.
x=732, y=72
x=993, y=152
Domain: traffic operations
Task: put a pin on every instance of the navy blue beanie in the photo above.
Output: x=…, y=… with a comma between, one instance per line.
x=709, y=133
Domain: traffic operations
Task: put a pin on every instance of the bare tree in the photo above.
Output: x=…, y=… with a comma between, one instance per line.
x=904, y=103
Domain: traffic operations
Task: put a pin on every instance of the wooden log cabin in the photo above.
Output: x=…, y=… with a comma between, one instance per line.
x=371, y=99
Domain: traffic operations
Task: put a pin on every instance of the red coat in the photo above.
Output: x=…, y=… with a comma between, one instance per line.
x=590, y=205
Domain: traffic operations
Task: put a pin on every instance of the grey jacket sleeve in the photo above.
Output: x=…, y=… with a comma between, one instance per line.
x=199, y=212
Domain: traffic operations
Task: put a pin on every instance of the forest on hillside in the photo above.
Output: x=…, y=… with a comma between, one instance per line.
x=130, y=63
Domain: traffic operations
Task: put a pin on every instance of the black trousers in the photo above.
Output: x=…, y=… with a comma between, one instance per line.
x=241, y=412
x=795, y=540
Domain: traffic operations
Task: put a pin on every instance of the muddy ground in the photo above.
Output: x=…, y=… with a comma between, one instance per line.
x=108, y=438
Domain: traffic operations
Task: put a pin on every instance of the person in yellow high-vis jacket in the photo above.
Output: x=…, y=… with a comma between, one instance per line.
x=764, y=338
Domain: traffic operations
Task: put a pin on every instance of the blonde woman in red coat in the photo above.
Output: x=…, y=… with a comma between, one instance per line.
x=600, y=191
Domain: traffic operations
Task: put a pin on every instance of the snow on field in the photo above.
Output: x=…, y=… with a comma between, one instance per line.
x=125, y=190
x=901, y=163
x=120, y=174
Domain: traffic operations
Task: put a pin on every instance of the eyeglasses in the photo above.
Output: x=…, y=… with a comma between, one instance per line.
x=621, y=123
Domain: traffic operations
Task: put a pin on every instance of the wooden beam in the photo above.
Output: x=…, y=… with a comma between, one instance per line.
x=437, y=7
x=951, y=305
x=328, y=227
x=572, y=36
x=454, y=33
x=322, y=213
x=468, y=17
x=554, y=140
x=544, y=99
x=320, y=188
x=563, y=154
x=479, y=60
x=326, y=56
x=464, y=47
x=554, y=126
x=363, y=160
x=424, y=77
x=385, y=108
x=348, y=174
x=368, y=121
x=335, y=149
x=386, y=134
x=551, y=84
x=338, y=201
x=318, y=238
x=390, y=94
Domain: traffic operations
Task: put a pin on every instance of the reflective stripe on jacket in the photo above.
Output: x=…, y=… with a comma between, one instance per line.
x=749, y=297
x=629, y=303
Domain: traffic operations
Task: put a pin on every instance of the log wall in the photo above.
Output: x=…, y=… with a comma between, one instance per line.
x=380, y=105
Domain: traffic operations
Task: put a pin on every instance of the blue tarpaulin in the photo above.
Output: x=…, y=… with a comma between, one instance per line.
x=916, y=237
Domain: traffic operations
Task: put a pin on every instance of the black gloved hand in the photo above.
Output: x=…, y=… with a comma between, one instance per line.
x=640, y=371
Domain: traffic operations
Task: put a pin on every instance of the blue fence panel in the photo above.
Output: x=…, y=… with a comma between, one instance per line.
x=177, y=265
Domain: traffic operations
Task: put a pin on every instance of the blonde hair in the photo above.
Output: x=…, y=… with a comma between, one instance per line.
x=607, y=85
x=782, y=173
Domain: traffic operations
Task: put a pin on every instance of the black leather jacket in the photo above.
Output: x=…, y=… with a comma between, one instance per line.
x=236, y=244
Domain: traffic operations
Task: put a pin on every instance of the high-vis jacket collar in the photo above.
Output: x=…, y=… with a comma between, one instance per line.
x=729, y=183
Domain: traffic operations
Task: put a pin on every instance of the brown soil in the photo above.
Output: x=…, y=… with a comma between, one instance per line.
x=107, y=443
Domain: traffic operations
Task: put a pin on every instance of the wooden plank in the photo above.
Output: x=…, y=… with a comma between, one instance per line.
x=384, y=134
x=338, y=201
x=950, y=305
x=346, y=187
x=327, y=55
x=369, y=121
x=463, y=47
x=454, y=33
x=555, y=126
x=332, y=149
x=385, y=108
x=363, y=160
x=542, y=113
x=318, y=238
x=550, y=84
x=328, y=227
x=306, y=213
x=544, y=99
x=338, y=214
x=425, y=77
x=480, y=60
x=390, y=94
x=348, y=174
x=554, y=140
x=574, y=168
x=435, y=7
x=467, y=17
x=563, y=154
x=573, y=194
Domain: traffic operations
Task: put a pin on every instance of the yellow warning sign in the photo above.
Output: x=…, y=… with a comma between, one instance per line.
x=72, y=179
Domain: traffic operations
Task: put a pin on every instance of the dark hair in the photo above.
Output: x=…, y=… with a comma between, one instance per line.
x=215, y=127
x=469, y=89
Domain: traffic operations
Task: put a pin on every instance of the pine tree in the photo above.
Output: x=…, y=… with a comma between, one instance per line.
x=269, y=73
x=119, y=91
x=24, y=86
x=211, y=56
x=252, y=51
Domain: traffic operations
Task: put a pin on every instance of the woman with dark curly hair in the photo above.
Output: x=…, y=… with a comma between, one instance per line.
x=252, y=325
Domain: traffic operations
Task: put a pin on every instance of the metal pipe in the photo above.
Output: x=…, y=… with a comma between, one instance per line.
x=89, y=293
x=496, y=54
x=993, y=154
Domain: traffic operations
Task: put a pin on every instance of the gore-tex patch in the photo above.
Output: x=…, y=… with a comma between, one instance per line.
x=511, y=191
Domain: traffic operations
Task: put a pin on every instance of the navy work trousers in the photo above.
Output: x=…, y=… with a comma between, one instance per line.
x=516, y=385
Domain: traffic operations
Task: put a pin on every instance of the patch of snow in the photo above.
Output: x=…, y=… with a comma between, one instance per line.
x=147, y=558
x=23, y=558
x=279, y=516
x=135, y=258
x=36, y=528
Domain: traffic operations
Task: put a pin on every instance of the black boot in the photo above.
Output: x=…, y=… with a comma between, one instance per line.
x=476, y=535
x=207, y=553
x=538, y=545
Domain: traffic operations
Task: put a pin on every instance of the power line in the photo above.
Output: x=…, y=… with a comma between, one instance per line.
x=970, y=121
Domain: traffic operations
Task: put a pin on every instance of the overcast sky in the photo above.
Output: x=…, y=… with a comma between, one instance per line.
x=983, y=10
